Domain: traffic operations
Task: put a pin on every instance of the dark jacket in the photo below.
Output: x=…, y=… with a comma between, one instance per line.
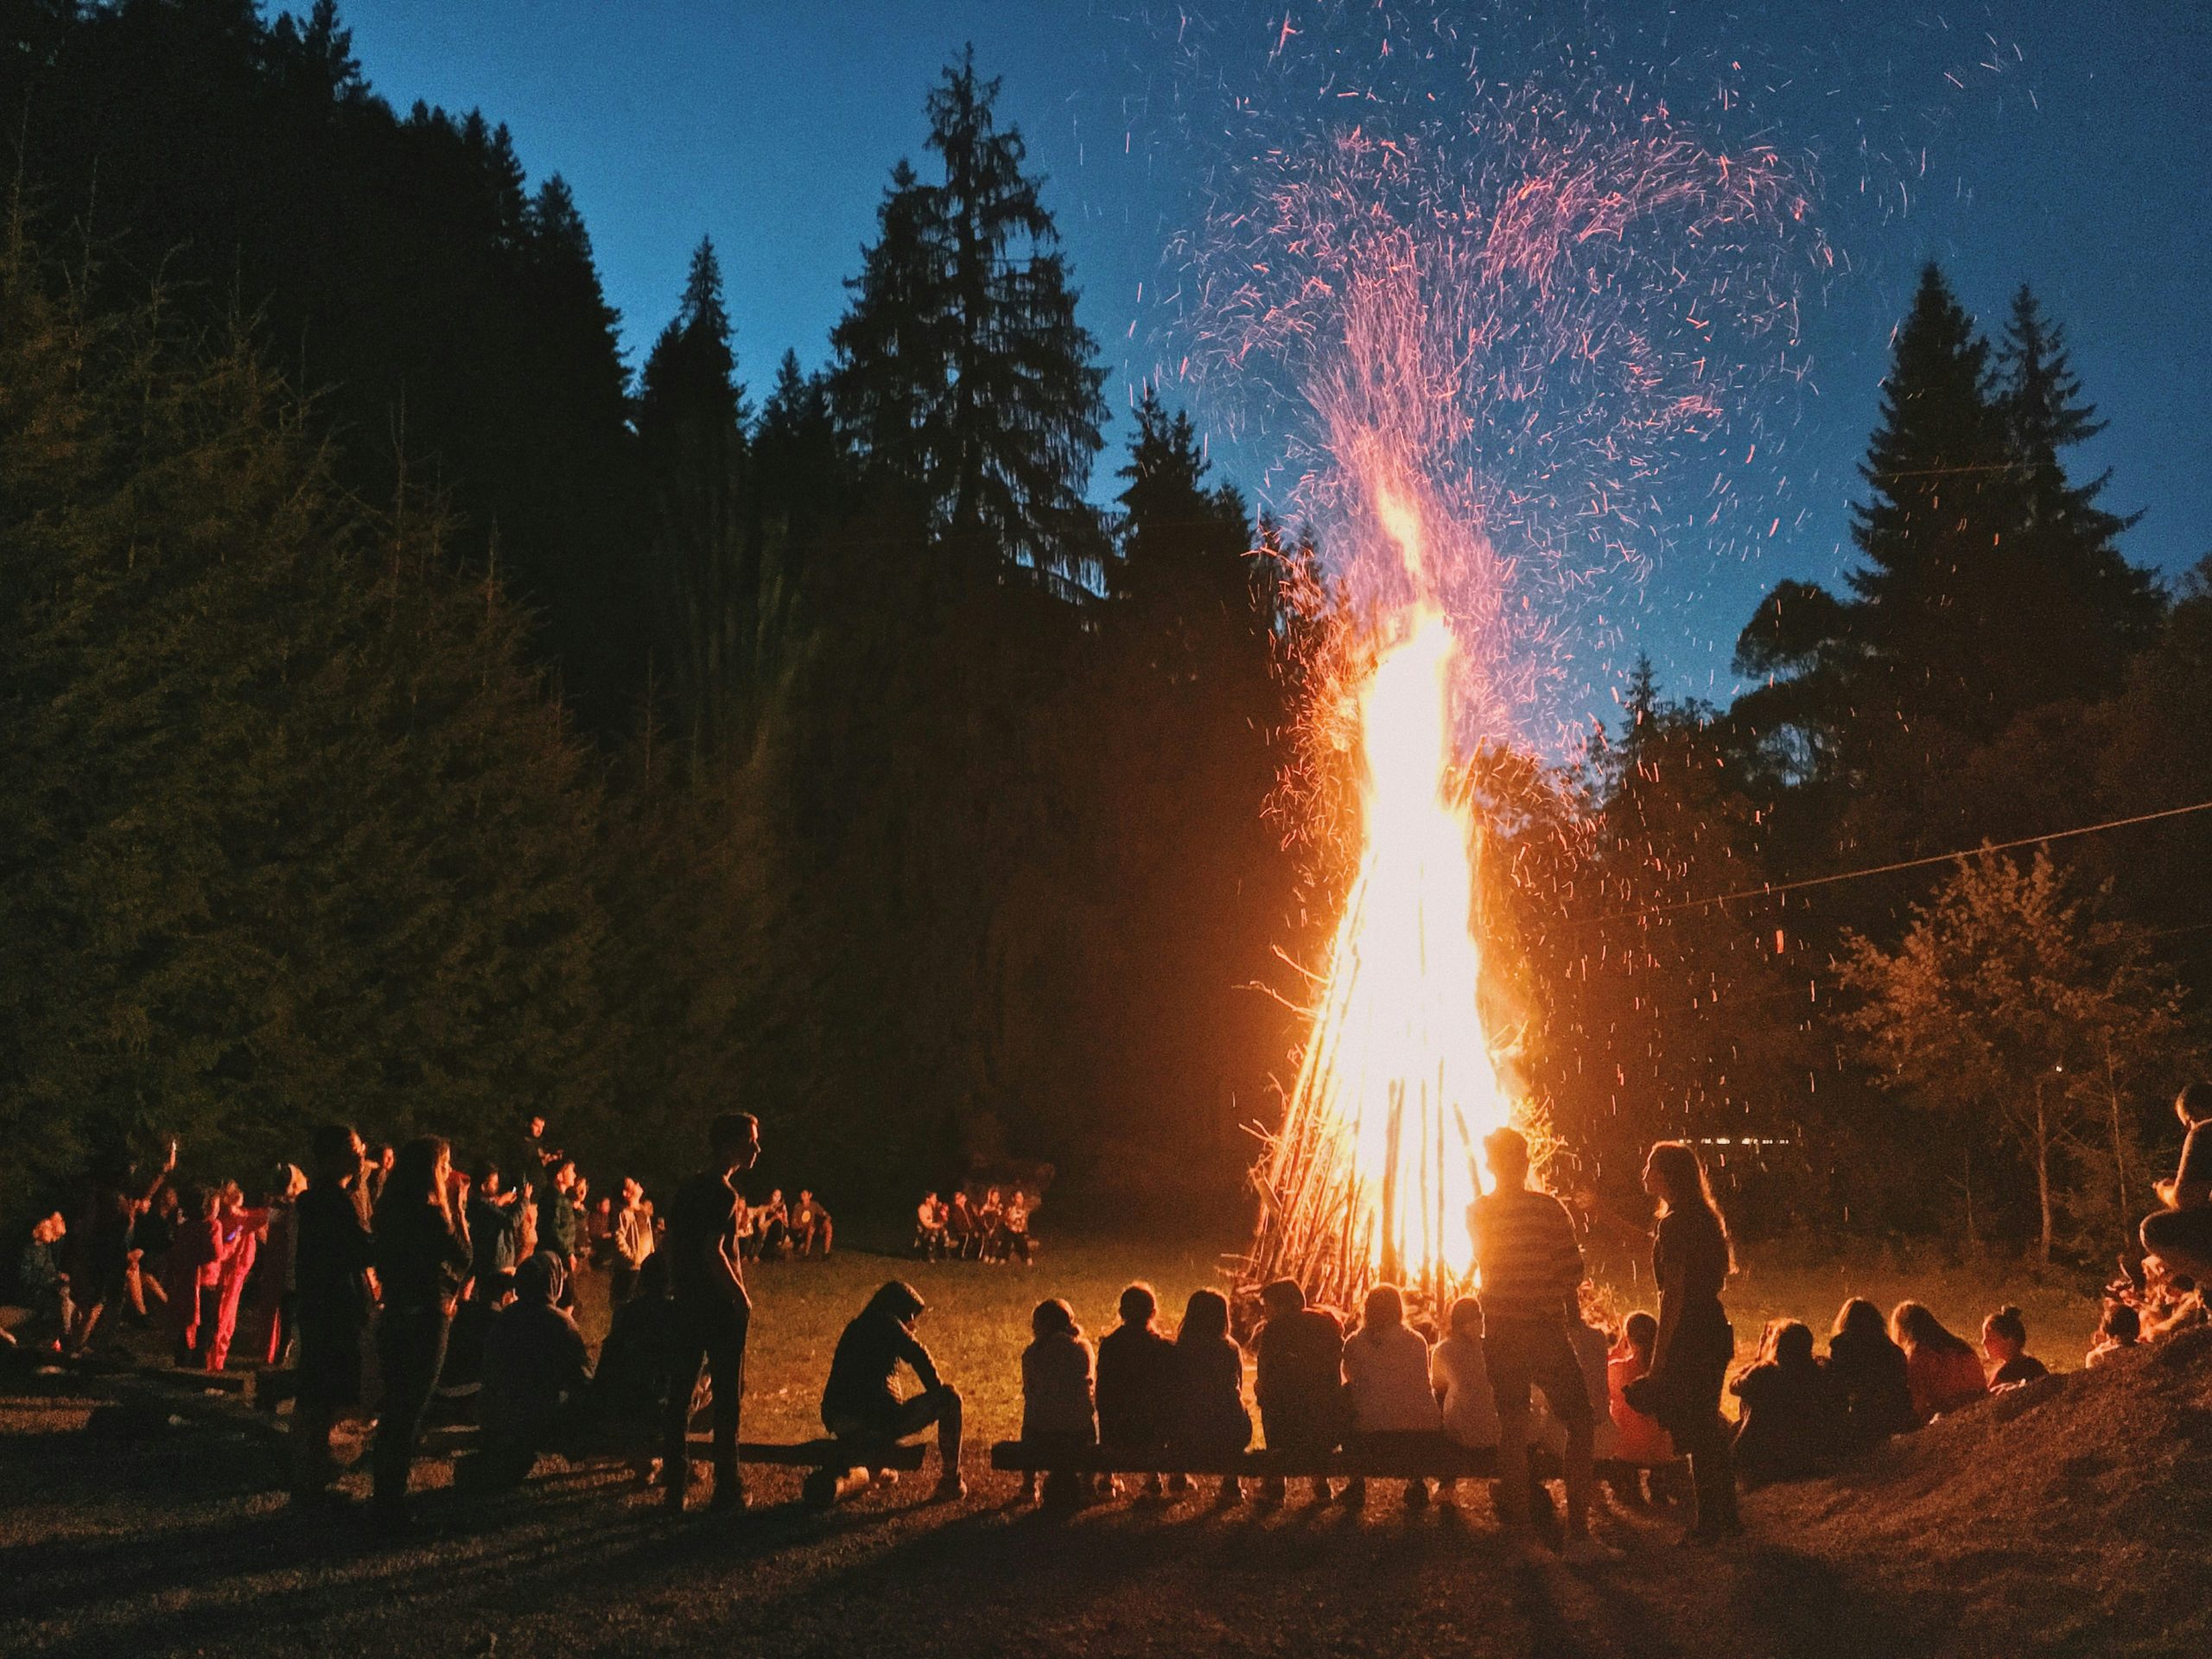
x=1137, y=1376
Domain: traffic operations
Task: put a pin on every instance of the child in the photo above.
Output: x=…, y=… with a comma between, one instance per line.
x=1387, y=1385
x=1209, y=1420
x=1638, y=1437
x=1460, y=1377
x=1136, y=1377
x=2121, y=1328
x=1792, y=1425
x=2004, y=1345
x=1057, y=1408
x=1942, y=1368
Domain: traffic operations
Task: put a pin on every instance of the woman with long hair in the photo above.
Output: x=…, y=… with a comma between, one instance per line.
x=1942, y=1369
x=1208, y=1419
x=1869, y=1374
x=422, y=1258
x=1691, y=1260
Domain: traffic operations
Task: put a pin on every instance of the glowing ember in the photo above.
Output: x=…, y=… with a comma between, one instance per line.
x=1373, y=1170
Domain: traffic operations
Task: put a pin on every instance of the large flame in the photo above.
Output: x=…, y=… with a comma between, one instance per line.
x=1374, y=1168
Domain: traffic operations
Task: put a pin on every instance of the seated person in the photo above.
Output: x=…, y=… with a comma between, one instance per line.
x=1387, y=1389
x=462, y=1370
x=929, y=1216
x=772, y=1227
x=1869, y=1375
x=1299, y=1380
x=2005, y=1349
x=2180, y=1233
x=41, y=1318
x=811, y=1226
x=1941, y=1368
x=628, y=1404
x=1136, y=1381
x=2121, y=1328
x=1594, y=1353
x=1014, y=1229
x=1458, y=1376
x=1058, y=1409
x=536, y=1367
x=1638, y=1437
x=1206, y=1418
x=858, y=1403
x=1792, y=1425
x=990, y=1219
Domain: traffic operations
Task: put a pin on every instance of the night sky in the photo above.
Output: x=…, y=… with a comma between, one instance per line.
x=2050, y=142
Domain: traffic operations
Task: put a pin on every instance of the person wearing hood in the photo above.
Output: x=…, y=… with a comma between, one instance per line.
x=537, y=1368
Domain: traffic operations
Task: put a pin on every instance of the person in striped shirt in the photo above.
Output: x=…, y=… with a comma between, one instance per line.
x=1531, y=1269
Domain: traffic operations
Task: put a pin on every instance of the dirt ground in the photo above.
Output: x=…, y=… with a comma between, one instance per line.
x=172, y=1538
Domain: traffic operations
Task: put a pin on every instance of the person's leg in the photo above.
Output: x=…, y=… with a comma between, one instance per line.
x=312, y=1469
x=727, y=1360
x=412, y=1344
x=2182, y=1239
x=687, y=1349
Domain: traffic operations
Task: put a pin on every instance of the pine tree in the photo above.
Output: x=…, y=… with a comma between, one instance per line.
x=888, y=387
x=703, y=572
x=798, y=462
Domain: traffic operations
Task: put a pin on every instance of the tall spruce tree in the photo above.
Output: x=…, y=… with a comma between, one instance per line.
x=962, y=372
x=703, y=574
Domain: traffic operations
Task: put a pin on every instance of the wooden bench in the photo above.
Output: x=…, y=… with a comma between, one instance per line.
x=840, y=1468
x=1438, y=1459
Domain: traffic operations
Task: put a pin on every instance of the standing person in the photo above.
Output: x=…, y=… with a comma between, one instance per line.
x=1942, y=1367
x=1531, y=1269
x=381, y=1160
x=195, y=1271
x=423, y=1258
x=102, y=1273
x=494, y=1221
x=1299, y=1382
x=1386, y=1386
x=335, y=1256
x=278, y=1298
x=1136, y=1383
x=2180, y=1232
x=556, y=1215
x=1207, y=1418
x=712, y=1312
x=1691, y=1260
x=243, y=1230
x=633, y=1243
x=858, y=1402
x=1868, y=1372
x=1059, y=1410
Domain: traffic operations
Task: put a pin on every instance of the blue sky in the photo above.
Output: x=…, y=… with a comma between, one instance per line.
x=2062, y=143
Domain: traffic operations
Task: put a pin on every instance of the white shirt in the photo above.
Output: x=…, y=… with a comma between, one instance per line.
x=1386, y=1372
x=1459, y=1372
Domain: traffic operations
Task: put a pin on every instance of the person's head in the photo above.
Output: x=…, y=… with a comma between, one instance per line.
x=207, y=1202
x=1914, y=1327
x=1674, y=1174
x=898, y=1301
x=1052, y=1317
x=2121, y=1324
x=1505, y=1150
x=930, y=1198
x=2004, y=1335
x=775, y=1195
x=538, y=1281
x=420, y=1173
x=533, y=1122
x=806, y=1195
x=1139, y=1305
x=960, y=1198
x=1205, y=1318
x=1385, y=1307
x=564, y=1174
x=287, y=1182
x=385, y=1157
x=2193, y=1105
x=1282, y=1299
x=652, y=1278
x=1640, y=1331
x=1861, y=1320
x=485, y=1179
x=1790, y=1342
x=991, y=1196
x=632, y=1192
x=1465, y=1318
x=735, y=1139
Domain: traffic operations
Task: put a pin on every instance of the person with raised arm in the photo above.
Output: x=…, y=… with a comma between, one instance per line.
x=712, y=1314
x=422, y=1259
x=336, y=1259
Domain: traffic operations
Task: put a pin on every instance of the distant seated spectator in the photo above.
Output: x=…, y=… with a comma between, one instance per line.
x=930, y=1216
x=1016, y=1243
x=1793, y=1425
x=1941, y=1367
x=960, y=1235
x=1299, y=1379
x=629, y=1388
x=41, y=1316
x=2005, y=1351
x=1207, y=1418
x=1058, y=1412
x=536, y=1367
x=772, y=1227
x=1458, y=1376
x=858, y=1403
x=1387, y=1388
x=1638, y=1437
x=1136, y=1381
x=990, y=1216
x=2121, y=1328
x=811, y=1229
x=2180, y=1233
x=1868, y=1372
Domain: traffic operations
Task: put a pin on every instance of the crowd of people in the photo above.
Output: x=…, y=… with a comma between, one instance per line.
x=464, y=1279
x=992, y=1228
